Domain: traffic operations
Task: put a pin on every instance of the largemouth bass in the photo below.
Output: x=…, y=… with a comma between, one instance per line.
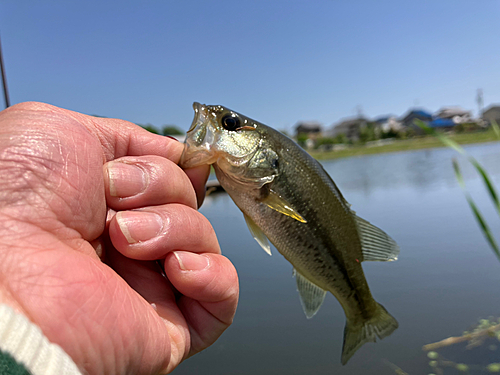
x=288, y=199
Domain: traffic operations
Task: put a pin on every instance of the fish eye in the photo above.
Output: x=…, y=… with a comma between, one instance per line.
x=230, y=122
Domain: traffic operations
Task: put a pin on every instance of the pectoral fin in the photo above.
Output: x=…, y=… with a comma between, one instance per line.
x=277, y=203
x=375, y=243
x=311, y=295
x=257, y=233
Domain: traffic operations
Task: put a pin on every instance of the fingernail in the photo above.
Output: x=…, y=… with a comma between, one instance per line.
x=191, y=261
x=125, y=180
x=139, y=226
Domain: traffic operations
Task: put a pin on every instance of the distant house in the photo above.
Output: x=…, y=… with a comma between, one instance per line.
x=388, y=123
x=492, y=113
x=310, y=128
x=457, y=114
x=415, y=114
x=350, y=127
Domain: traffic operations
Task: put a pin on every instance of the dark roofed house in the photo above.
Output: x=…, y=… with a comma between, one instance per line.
x=492, y=113
x=350, y=127
x=310, y=128
x=418, y=114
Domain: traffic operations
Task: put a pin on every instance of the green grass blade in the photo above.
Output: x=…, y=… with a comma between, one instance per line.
x=495, y=128
x=487, y=181
x=452, y=144
x=479, y=217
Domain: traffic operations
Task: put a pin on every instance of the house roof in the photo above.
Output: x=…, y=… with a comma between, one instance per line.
x=351, y=121
x=449, y=112
x=491, y=108
x=382, y=119
x=310, y=126
x=441, y=123
x=417, y=112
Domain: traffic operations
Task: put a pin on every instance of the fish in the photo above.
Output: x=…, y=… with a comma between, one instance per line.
x=290, y=201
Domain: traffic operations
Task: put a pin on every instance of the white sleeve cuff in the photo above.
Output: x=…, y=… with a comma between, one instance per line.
x=26, y=343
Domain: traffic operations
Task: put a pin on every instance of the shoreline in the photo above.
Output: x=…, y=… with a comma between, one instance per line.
x=406, y=145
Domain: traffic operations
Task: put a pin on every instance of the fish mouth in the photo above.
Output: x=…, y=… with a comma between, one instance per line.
x=200, y=138
x=200, y=115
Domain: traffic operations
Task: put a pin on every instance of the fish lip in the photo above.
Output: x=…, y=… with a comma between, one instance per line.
x=199, y=139
x=200, y=113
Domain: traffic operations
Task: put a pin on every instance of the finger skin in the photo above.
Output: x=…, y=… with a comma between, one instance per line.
x=183, y=229
x=144, y=277
x=199, y=177
x=133, y=182
x=210, y=295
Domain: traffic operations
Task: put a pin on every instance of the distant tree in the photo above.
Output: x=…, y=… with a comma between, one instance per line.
x=301, y=139
x=149, y=127
x=171, y=130
x=466, y=127
x=324, y=142
x=340, y=138
x=406, y=133
x=390, y=134
x=367, y=133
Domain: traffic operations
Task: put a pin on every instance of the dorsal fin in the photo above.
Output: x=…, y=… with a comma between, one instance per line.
x=376, y=245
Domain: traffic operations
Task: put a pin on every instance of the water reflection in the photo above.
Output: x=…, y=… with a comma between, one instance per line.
x=424, y=169
x=445, y=279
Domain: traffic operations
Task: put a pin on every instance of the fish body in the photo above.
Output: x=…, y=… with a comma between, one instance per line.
x=287, y=198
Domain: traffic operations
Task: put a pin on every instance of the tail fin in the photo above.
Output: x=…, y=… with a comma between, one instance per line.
x=382, y=324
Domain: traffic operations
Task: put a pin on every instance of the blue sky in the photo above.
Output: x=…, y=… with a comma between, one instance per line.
x=278, y=62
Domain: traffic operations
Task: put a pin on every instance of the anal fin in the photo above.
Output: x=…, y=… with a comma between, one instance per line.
x=311, y=295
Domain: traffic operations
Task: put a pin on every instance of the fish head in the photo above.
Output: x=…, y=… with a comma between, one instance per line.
x=236, y=144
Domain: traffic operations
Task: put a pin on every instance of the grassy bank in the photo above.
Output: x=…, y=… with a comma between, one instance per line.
x=406, y=145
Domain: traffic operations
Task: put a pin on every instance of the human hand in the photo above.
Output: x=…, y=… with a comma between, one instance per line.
x=87, y=207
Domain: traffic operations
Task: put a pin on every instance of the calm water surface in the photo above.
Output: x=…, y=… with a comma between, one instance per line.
x=444, y=281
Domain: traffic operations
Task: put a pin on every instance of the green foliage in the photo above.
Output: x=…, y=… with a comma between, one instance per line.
x=406, y=133
x=390, y=134
x=466, y=127
x=171, y=130
x=495, y=128
x=367, y=133
x=149, y=128
x=340, y=139
x=301, y=139
x=324, y=141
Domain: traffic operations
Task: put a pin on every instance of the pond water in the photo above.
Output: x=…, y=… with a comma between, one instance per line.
x=446, y=277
